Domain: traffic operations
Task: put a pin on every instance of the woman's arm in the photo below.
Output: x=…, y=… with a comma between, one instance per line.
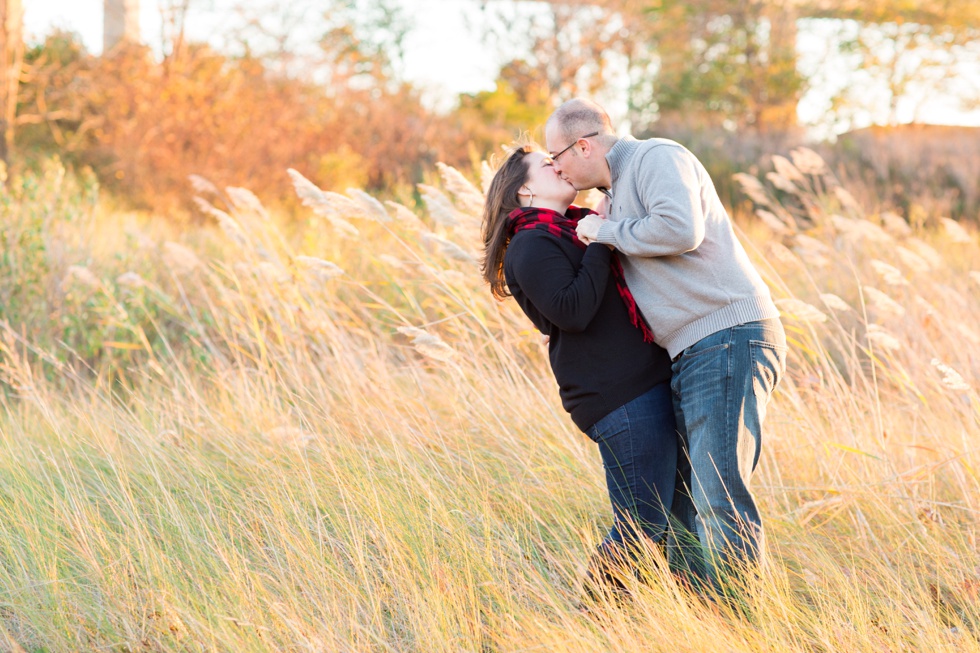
x=566, y=295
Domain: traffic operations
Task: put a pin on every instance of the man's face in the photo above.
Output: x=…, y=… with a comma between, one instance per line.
x=568, y=161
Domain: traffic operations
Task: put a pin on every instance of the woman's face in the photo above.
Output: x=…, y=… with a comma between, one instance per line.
x=545, y=183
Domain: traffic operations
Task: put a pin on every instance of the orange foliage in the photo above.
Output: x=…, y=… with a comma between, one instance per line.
x=234, y=122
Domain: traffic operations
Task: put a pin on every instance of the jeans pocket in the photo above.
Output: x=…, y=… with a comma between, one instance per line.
x=768, y=365
x=690, y=352
x=610, y=425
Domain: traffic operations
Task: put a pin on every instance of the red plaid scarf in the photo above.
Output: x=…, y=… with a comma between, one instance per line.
x=563, y=226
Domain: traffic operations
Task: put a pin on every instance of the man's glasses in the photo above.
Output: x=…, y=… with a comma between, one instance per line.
x=554, y=157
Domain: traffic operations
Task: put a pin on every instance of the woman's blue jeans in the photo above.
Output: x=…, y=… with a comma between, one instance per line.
x=638, y=443
x=722, y=386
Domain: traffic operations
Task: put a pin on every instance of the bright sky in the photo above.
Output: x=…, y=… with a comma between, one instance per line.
x=445, y=54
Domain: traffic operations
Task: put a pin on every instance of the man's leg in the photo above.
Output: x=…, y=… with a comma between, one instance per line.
x=684, y=550
x=723, y=384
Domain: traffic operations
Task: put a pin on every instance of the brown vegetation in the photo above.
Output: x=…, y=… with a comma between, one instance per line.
x=926, y=170
x=144, y=126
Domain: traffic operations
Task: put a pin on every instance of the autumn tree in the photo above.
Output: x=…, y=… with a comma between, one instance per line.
x=713, y=62
x=52, y=113
x=335, y=43
x=901, y=54
x=562, y=48
x=724, y=62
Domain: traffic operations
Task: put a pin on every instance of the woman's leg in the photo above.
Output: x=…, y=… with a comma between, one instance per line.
x=638, y=445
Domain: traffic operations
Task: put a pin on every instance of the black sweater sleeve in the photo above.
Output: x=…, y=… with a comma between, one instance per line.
x=566, y=295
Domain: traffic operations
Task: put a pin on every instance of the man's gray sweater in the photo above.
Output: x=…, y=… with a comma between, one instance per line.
x=684, y=265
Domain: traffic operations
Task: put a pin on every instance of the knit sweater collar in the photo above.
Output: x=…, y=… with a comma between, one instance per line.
x=620, y=154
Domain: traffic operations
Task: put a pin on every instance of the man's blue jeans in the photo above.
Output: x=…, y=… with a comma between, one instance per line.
x=722, y=386
x=638, y=443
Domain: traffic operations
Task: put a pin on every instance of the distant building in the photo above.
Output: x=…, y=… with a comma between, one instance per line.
x=121, y=23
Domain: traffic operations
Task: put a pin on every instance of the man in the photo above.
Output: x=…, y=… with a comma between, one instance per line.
x=706, y=305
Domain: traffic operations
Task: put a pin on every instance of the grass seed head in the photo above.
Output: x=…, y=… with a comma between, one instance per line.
x=405, y=216
x=926, y=251
x=834, y=303
x=202, y=185
x=440, y=207
x=79, y=275
x=881, y=303
x=800, y=310
x=752, y=187
x=859, y=230
x=130, y=280
x=782, y=183
x=786, y=169
x=808, y=162
x=895, y=224
x=392, y=261
x=879, y=337
x=782, y=254
x=951, y=378
x=371, y=207
x=245, y=200
x=448, y=248
x=812, y=251
x=913, y=261
x=308, y=192
x=272, y=272
x=847, y=201
x=955, y=231
x=772, y=221
x=467, y=195
x=428, y=344
x=889, y=273
x=179, y=259
x=322, y=268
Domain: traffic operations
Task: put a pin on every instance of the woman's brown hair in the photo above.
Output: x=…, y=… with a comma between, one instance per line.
x=501, y=200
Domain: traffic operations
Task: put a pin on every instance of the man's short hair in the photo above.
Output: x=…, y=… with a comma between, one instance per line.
x=580, y=116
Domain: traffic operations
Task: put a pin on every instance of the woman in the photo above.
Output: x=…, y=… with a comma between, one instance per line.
x=612, y=380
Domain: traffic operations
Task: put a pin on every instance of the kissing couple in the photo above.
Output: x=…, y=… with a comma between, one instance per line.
x=663, y=338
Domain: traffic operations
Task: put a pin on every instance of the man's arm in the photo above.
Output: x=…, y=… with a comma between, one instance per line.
x=670, y=190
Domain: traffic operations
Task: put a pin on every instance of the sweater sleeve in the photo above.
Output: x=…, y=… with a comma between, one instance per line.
x=669, y=189
x=566, y=295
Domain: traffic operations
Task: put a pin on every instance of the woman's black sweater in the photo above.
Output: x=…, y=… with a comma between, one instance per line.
x=599, y=358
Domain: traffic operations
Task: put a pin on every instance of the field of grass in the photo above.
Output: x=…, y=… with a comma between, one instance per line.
x=243, y=434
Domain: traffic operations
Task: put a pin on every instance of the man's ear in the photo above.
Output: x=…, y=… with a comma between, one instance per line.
x=587, y=149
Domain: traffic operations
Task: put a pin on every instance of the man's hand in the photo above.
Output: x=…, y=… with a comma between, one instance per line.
x=588, y=228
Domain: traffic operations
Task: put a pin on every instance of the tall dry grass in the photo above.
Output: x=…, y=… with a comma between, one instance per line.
x=327, y=436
